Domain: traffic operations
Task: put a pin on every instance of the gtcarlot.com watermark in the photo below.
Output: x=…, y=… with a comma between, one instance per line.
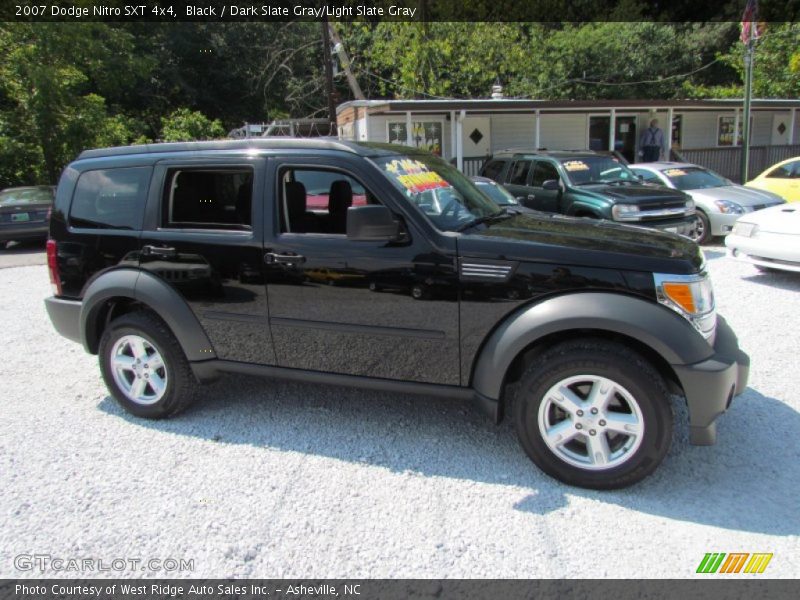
x=48, y=562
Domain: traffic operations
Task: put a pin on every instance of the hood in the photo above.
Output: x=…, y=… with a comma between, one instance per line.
x=744, y=196
x=634, y=193
x=582, y=241
x=777, y=219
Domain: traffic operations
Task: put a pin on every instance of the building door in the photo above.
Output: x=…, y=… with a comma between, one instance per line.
x=599, y=126
x=780, y=128
x=477, y=136
x=625, y=137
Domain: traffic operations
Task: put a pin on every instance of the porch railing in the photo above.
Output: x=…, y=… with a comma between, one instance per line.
x=726, y=161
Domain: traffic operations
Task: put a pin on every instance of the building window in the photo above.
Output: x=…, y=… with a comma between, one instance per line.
x=725, y=131
x=425, y=135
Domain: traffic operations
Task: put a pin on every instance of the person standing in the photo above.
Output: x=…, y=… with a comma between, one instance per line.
x=652, y=146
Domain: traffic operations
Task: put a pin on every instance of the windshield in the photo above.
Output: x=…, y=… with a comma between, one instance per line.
x=583, y=170
x=439, y=191
x=14, y=197
x=498, y=193
x=694, y=178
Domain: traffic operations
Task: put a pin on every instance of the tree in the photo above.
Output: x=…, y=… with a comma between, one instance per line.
x=185, y=125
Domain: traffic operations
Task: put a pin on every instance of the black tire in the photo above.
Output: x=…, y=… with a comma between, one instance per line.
x=181, y=384
x=419, y=291
x=614, y=361
x=702, y=232
x=764, y=269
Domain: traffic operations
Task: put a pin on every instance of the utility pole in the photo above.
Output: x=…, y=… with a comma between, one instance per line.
x=748, y=92
x=338, y=47
x=326, y=53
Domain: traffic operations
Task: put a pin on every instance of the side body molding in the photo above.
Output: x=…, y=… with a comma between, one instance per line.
x=655, y=326
x=148, y=289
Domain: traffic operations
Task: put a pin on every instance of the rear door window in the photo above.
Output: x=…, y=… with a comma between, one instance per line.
x=110, y=198
x=493, y=169
x=519, y=172
x=208, y=199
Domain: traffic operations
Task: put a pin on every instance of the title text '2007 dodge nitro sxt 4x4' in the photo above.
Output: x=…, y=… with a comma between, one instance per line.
x=316, y=260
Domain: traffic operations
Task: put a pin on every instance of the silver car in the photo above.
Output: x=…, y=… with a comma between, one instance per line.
x=719, y=201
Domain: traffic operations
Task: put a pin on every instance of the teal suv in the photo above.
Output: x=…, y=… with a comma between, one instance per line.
x=589, y=184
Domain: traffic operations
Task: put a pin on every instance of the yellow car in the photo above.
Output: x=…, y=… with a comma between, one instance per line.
x=782, y=179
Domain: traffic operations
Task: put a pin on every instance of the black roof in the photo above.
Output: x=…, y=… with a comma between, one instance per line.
x=263, y=143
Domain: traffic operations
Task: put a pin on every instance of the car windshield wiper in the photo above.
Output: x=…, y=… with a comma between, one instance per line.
x=590, y=182
x=502, y=214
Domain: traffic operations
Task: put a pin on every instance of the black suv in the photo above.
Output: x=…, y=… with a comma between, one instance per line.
x=314, y=260
x=589, y=184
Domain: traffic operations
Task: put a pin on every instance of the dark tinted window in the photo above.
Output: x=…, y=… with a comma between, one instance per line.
x=519, y=172
x=110, y=198
x=542, y=171
x=493, y=169
x=208, y=198
x=788, y=171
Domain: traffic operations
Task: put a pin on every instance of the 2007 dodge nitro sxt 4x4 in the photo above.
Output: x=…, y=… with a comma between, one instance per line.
x=325, y=261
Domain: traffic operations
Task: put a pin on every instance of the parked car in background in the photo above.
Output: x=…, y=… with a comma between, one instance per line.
x=718, y=200
x=501, y=196
x=782, y=178
x=768, y=239
x=24, y=213
x=589, y=184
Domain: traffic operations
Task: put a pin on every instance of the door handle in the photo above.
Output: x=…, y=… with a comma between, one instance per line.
x=273, y=258
x=159, y=251
x=531, y=196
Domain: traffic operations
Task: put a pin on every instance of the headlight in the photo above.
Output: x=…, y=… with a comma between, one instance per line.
x=625, y=212
x=744, y=229
x=690, y=208
x=728, y=207
x=691, y=296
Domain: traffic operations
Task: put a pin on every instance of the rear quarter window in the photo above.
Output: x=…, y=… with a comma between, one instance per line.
x=110, y=198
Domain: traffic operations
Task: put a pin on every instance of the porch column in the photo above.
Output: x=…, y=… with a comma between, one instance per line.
x=452, y=134
x=791, y=126
x=366, y=124
x=460, y=142
x=409, y=140
x=668, y=126
x=612, y=126
x=735, y=128
x=537, y=135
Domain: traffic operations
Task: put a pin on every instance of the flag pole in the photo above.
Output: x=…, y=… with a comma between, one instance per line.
x=748, y=92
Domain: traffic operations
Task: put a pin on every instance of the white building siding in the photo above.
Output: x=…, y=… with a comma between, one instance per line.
x=565, y=131
x=762, y=129
x=700, y=129
x=511, y=131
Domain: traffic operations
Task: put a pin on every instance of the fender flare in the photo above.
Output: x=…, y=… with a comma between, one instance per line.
x=656, y=326
x=159, y=296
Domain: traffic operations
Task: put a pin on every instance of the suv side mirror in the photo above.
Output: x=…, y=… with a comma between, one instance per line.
x=550, y=184
x=371, y=224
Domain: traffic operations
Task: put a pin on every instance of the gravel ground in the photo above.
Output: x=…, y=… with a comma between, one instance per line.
x=275, y=479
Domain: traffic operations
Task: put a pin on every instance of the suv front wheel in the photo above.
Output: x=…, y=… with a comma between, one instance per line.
x=594, y=414
x=144, y=367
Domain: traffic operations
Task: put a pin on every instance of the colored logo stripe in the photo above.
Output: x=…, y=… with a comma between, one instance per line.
x=758, y=562
x=713, y=562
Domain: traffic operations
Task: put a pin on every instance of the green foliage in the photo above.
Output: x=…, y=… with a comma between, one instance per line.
x=65, y=87
x=184, y=125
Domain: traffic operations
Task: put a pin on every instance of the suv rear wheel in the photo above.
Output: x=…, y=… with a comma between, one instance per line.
x=144, y=367
x=594, y=414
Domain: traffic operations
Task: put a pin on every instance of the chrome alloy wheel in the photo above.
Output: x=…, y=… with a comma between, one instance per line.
x=591, y=422
x=138, y=369
x=699, y=232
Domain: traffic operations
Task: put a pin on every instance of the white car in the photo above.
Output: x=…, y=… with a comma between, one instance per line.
x=769, y=238
x=719, y=201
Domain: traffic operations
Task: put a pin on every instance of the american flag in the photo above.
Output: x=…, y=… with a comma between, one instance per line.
x=749, y=22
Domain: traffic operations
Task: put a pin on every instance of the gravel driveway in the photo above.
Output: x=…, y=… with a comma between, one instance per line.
x=274, y=479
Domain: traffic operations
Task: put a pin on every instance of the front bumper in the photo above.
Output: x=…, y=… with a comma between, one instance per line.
x=722, y=223
x=710, y=385
x=66, y=317
x=772, y=250
x=682, y=226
